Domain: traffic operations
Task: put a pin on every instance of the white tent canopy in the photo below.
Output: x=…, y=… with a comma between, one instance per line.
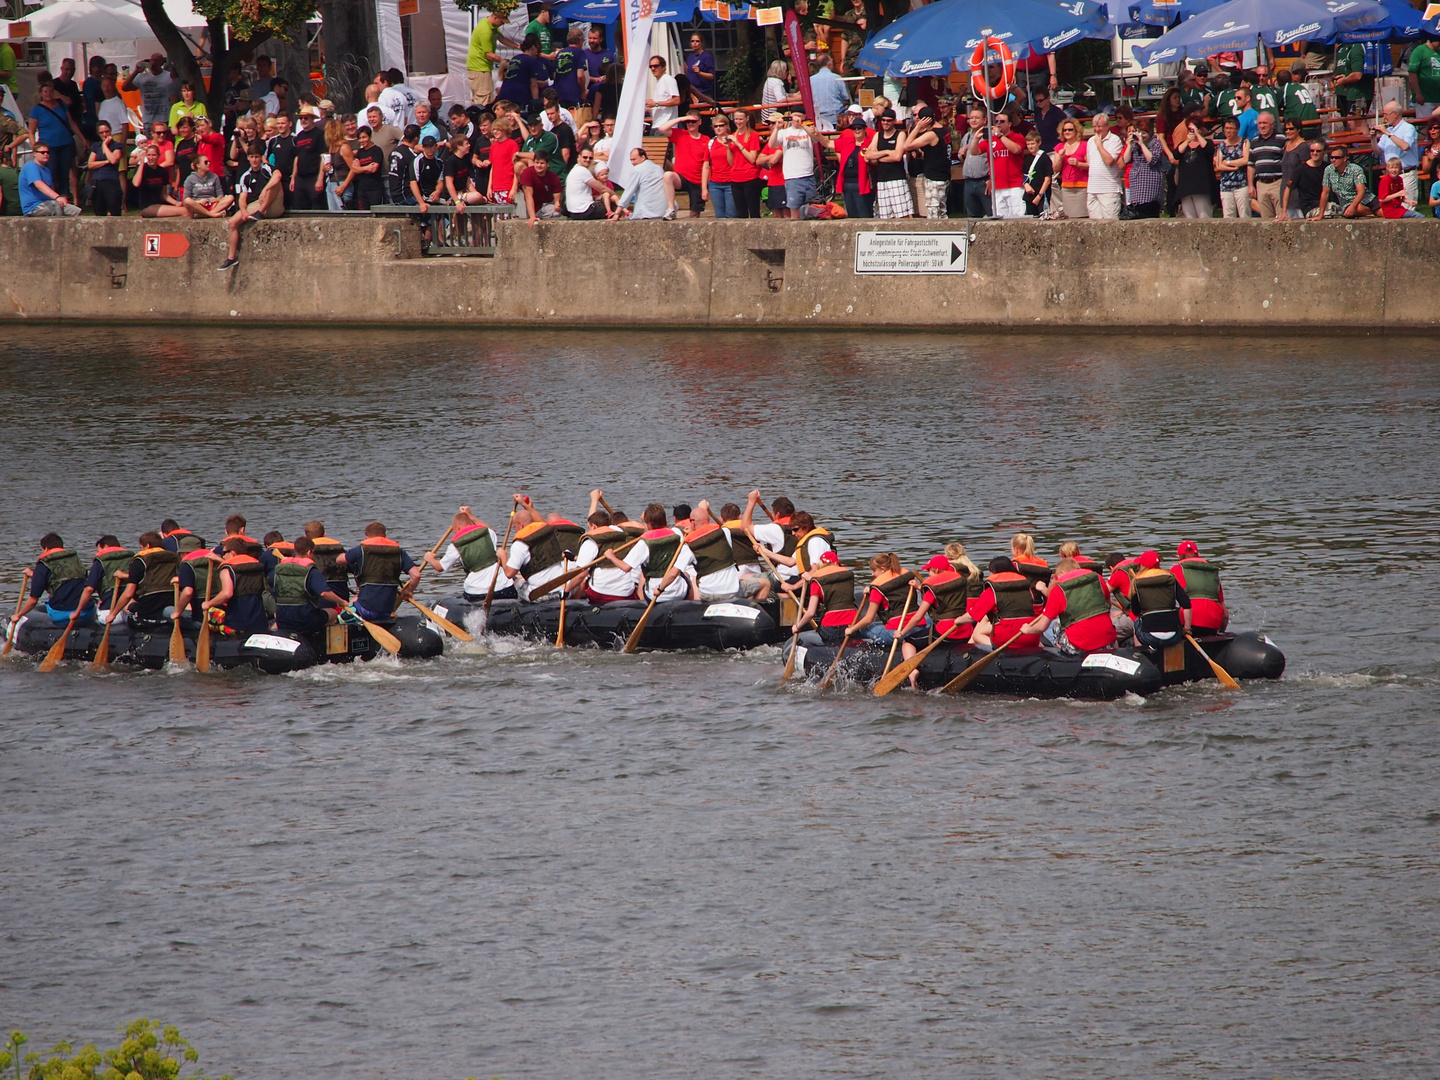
x=85, y=20
x=182, y=13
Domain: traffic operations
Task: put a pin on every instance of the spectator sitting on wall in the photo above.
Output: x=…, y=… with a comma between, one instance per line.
x=204, y=193
x=586, y=196
x=1395, y=201
x=1344, y=183
x=542, y=190
x=646, y=190
x=260, y=197
x=38, y=197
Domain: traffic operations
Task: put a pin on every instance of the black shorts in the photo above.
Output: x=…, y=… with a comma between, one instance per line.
x=596, y=210
x=776, y=199
x=692, y=189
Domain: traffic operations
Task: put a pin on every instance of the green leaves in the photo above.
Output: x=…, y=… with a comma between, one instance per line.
x=251, y=19
x=148, y=1051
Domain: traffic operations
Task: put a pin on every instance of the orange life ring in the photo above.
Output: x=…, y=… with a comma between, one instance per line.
x=980, y=84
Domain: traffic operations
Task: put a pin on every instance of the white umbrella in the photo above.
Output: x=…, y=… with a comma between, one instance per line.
x=182, y=13
x=86, y=20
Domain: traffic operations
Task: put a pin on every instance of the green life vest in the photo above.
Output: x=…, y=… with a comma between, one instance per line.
x=894, y=591
x=186, y=541
x=662, y=553
x=379, y=562
x=111, y=560
x=200, y=563
x=476, y=548
x=1152, y=590
x=951, y=589
x=248, y=573
x=1012, y=597
x=290, y=577
x=160, y=566
x=1202, y=579
x=548, y=544
x=609, y=539
x=1084, y=596
x=837, y=590
x=712, y=550
x=742, y=549
x=632, y=531
x=325, y=554
x=64, y=565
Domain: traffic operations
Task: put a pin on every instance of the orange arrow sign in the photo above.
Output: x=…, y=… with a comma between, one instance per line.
x=167, y=245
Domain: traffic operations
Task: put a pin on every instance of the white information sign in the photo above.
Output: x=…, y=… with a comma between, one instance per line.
x=911, y=252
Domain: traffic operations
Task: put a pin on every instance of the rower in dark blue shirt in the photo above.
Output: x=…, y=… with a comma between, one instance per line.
x=58, y=572
x=378, y=564
x=299, y=587
x=241, y=592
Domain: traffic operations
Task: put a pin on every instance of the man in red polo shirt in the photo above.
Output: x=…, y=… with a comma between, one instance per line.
x=692, y=159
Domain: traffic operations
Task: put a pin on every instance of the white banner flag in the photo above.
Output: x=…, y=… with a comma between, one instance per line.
x=636, y=17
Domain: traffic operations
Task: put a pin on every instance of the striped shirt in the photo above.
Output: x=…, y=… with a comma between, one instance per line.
x=1266, y=156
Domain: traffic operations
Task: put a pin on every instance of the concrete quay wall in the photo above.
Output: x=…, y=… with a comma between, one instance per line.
x=1154, y=274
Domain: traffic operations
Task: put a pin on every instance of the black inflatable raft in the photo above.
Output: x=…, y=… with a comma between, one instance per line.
x=1107, y=674
x=272, y=651
x=674, y=624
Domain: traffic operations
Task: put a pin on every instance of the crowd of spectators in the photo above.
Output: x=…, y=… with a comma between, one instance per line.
x=538, y=133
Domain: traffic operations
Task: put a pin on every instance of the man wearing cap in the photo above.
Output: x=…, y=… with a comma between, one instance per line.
x=886, y=156
x=796, y=143
x=1154, y=589
x=306, y=189
x=539, y=143
x=1199, y=580
x=481, y=58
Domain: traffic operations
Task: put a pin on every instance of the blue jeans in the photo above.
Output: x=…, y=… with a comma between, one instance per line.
x=87, y=617
x=723, y=198
x=876, y=633
x=977, y=203
x=339, y=202
x=799, y=192
x=857, y=205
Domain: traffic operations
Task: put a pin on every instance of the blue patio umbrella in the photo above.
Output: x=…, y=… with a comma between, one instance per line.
x=608, y=11
x=1240, y=24
x=1402, y=24
x=1166, y=12
x=944, y=34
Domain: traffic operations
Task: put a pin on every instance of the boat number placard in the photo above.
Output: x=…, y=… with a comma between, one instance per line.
x=911, y=252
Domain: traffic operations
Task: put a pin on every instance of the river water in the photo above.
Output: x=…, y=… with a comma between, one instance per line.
x=516, y=862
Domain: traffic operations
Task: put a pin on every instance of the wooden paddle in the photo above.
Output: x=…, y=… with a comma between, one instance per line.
x=633, y=641
x=835, y=664
x=901, y=673
x=399, y=599
x=551, y=586
x=386, y=640
x=202, y=643
x=177, y=640
x=1226, y=679
x=19, y=603
x=560, y=633
x=966, y=677
x=439, y=620
x=490, y=592
x=102, y=654
x=57, y=651
x=895, y=640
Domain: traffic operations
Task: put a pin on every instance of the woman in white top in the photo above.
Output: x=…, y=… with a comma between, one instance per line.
x=773, y=92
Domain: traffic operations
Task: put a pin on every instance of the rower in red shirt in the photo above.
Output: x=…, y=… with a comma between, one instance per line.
x=1081, y=601
x=1201, y=581
x=1003, y=609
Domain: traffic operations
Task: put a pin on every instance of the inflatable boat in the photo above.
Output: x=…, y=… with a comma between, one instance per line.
x=274, y=652
x=1047, y=673
x=673, y=625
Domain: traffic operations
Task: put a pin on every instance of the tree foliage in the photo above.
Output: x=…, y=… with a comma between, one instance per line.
x=256, y=20
x=148, y=1051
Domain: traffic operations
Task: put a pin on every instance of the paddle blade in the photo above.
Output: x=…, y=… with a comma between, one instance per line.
x=442, y=622
x=790, y=660
x=834, y=665
x=633, y=641
x=57, y=651
x=966, y=677
x=899, y=674
x=202, y=649
x=386, y=640
x=102, y=654
x=177, y=645
x=1226, y=679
